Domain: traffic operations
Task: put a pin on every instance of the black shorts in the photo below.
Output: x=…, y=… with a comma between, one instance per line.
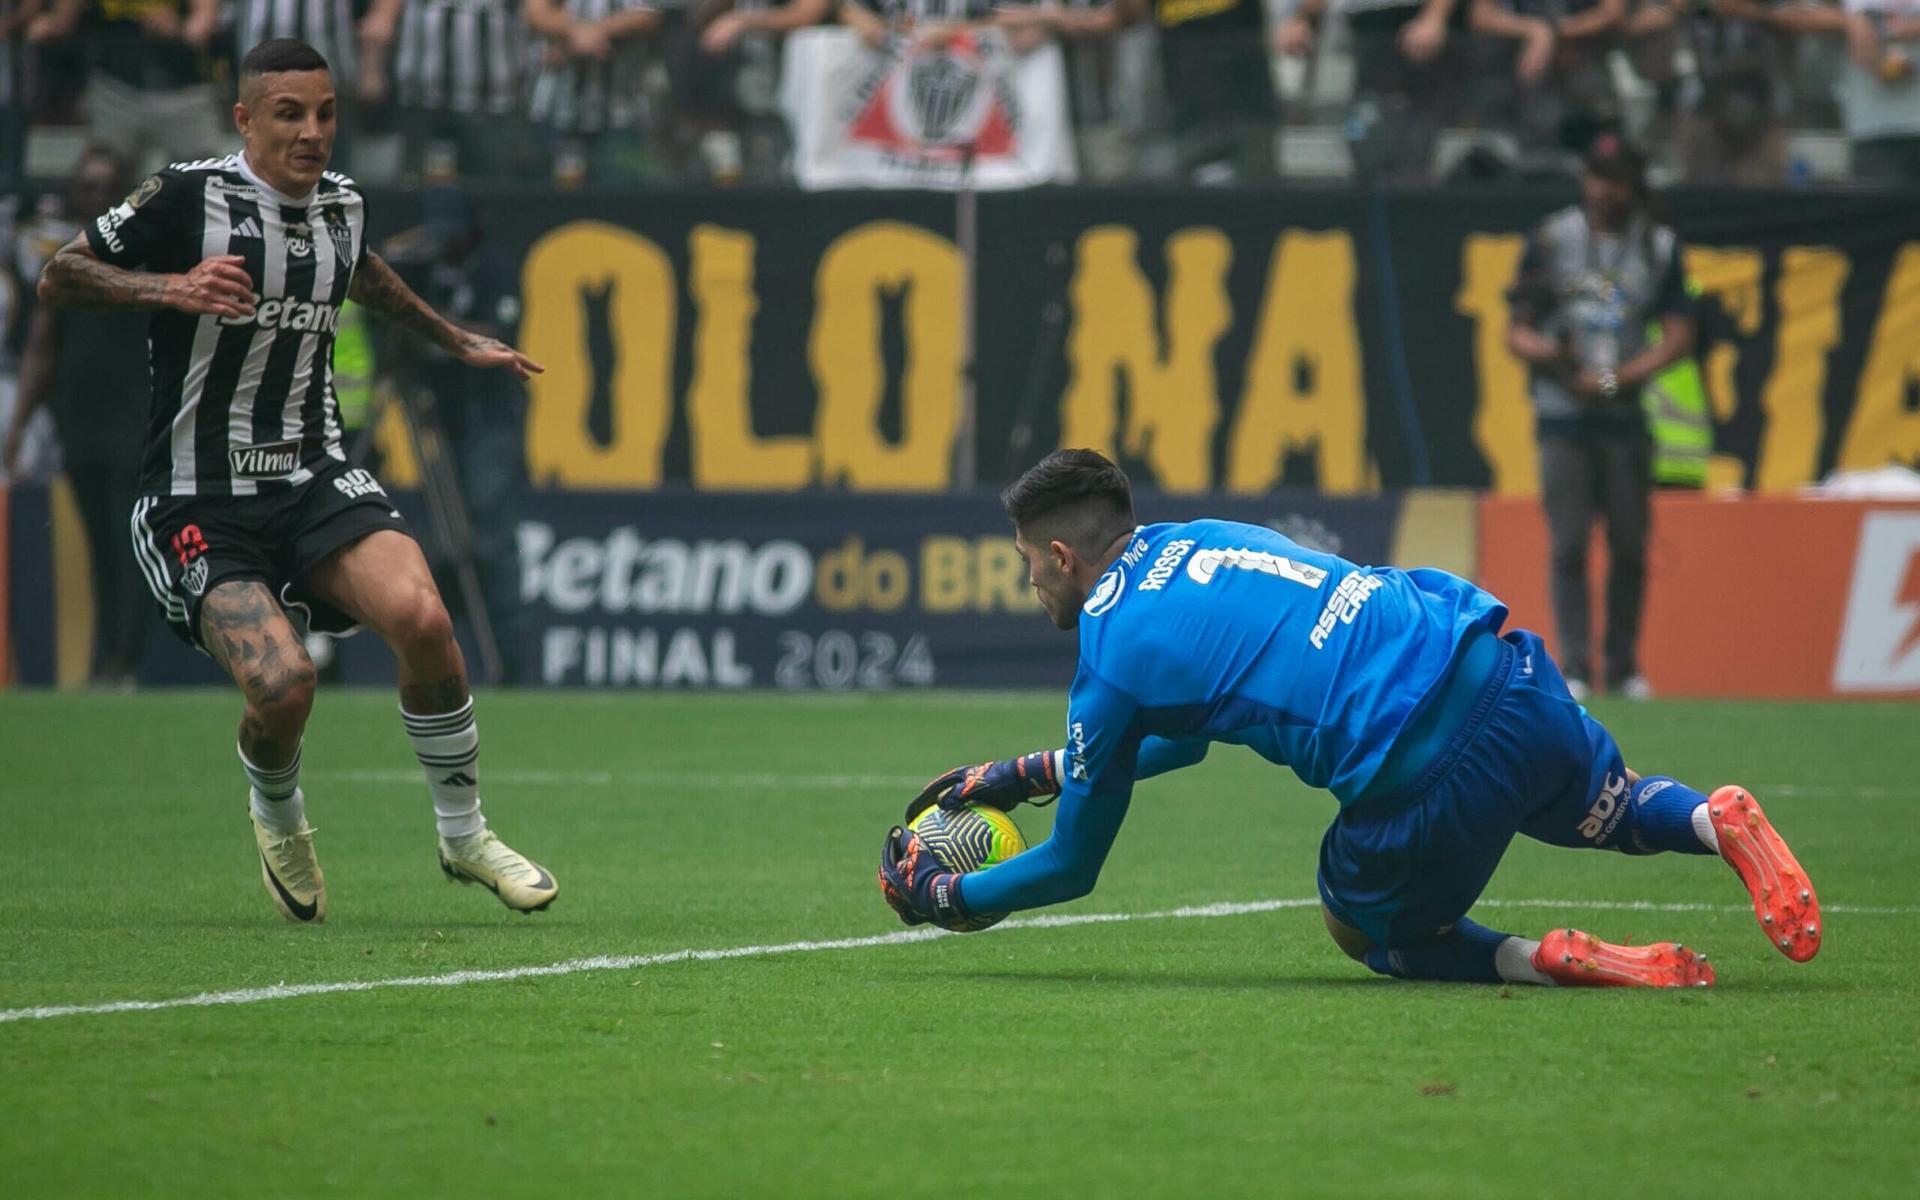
x=186, y=545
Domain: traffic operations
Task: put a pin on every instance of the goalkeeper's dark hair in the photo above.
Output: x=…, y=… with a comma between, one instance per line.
x=281, y=54
x=1074, y=496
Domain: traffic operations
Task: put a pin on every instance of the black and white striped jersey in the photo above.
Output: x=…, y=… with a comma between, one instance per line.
x=326, y=25
x=245, y=407
x=462, y=56
x=589, y=97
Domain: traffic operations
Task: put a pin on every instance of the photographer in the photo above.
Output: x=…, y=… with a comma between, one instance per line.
x=1594, y=277
x=482, y=413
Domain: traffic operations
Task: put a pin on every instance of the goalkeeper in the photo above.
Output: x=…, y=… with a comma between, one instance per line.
x=1394, y=690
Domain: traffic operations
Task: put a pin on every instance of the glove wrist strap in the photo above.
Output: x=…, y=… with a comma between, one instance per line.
x=1039, y=772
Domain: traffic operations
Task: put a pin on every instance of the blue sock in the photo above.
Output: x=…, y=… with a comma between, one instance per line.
x=1463, y=954
x=1660, y=817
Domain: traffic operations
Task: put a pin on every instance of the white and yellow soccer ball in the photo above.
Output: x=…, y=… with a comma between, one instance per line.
x=968, y=839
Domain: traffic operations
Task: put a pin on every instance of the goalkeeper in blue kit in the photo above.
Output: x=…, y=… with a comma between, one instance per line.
x=1395, y=690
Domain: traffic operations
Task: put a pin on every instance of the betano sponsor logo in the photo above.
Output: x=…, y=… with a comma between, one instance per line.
x=621, y=571
x=624, y=572
x=299, y=316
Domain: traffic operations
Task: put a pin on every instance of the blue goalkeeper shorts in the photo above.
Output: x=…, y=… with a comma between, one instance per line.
x=1525, y=759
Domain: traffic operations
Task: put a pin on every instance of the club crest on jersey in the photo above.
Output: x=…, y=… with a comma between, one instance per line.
x=273, y=460
x=341, y=235
x=194, y=578
x=1106, y=593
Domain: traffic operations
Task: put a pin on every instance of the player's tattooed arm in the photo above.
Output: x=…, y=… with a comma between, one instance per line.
x=377, y=287
x=75, y=278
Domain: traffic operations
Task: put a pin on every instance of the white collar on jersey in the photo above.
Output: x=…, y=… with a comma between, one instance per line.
x=253, y=177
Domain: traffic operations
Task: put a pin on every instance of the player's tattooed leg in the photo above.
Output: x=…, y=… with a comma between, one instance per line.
x=247, y=634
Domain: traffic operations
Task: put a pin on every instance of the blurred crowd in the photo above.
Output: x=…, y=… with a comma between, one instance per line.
x=624, y=92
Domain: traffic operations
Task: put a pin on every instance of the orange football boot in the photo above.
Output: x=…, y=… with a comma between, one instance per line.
x=1574, y=959
x=1783, y=896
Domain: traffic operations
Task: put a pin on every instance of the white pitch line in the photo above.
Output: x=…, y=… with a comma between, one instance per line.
x=629, y=962
x=719, y=779
x=620, y=962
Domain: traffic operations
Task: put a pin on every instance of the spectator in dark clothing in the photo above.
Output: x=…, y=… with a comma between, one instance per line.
x=589, y=97
x=725, y=62
x=482, y=413
x=1404, y=77
x=1218, y=81
x=1733, y=109
x=1593, y=279
x=1560, y=67
x=147, y=98
x=87, y=368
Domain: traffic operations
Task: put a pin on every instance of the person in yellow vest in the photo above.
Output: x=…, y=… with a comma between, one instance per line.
x=352, y=369
x=1675, y=402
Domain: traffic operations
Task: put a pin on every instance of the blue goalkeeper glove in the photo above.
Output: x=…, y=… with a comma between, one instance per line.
x=917, y=887
x=1003, y=785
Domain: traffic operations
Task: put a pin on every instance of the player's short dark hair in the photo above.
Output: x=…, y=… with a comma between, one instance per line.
x=1079, y=497
x=281, y=54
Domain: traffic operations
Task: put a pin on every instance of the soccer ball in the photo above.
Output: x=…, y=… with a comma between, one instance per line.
x=967, y=839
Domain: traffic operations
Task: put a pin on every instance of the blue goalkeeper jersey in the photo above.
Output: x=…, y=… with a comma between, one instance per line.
x=1215, y=631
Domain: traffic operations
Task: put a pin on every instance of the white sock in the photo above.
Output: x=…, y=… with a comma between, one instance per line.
x=448, y=747
x=1704, y=830
x=1513, y=959
x=275, y=795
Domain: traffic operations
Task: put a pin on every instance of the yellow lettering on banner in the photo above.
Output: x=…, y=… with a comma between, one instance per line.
x=1173, y=398
x=849, y=578
x=1303, y=379
x=850, y=374
x=1503, y=415
x=1002, y=576
x=1883, y=428
x=837, y=576
x=565, y=269
x=888, y=580
x=726, y=454
x=1807, y=299
x=982, y=575
x=946, y=571
x=1731, y=275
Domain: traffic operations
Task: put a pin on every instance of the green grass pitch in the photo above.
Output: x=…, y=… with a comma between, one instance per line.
x=1228, y=1055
